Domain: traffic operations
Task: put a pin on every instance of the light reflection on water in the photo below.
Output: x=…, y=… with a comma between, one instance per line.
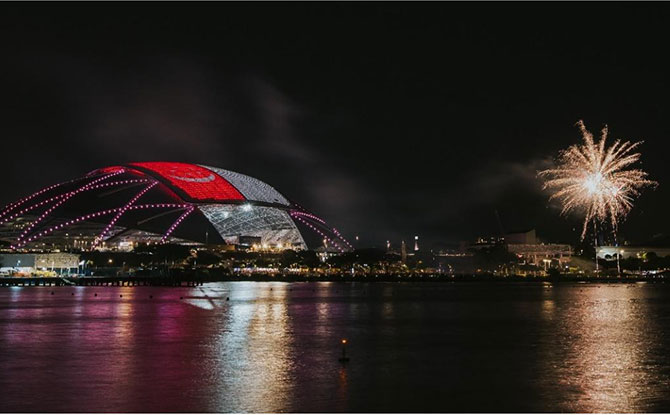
x=608, y=352
x=273, y=347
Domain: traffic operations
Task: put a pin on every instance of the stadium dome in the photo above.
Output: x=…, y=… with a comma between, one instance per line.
x=162, y=202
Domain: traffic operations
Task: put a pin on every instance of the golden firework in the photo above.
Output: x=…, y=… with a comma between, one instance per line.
x=596, y=180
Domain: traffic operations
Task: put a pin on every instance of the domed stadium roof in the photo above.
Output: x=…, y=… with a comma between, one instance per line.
x=161, y=202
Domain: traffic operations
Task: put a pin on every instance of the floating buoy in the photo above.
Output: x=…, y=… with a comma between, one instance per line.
x=344, y=358
x=121, y=296
x=52, y=293
x=72, y=294
x=181, y=298
x=227, y=298
x=96, y=294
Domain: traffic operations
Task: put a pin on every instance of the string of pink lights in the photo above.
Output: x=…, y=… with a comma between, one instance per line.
x=42, y=203
x=160, y=205
x=68, y=196
x=339, y=235
x=176, y=223
x=120, y=213
x=319, y=232
x=54, y=228
x=62, y=225
x=323, y=222
x=309, y=215
x=19, y=202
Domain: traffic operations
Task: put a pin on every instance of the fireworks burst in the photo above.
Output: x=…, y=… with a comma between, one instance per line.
x=596, y=180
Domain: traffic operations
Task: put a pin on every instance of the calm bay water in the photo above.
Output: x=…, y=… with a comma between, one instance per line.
x=274, y=347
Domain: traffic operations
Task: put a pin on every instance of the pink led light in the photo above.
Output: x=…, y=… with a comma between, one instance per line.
x=42, y=203
x=64, y=224
x=120, y=213
x=296, y=215
x=68, y=196
x=309, y=215
x=319, y=232
x=176, y=223
x=18, y=203
x=342, y=238
x=159, y=205
x=107, y=212
x=104, y=170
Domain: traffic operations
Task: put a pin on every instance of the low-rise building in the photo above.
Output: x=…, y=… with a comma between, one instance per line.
x=545, y=255
x=625, y=252
x=33, y=263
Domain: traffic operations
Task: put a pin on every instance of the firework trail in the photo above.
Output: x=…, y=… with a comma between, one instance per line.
x=596, y=180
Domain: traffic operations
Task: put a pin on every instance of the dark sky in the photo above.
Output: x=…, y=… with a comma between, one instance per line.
x=388, y=120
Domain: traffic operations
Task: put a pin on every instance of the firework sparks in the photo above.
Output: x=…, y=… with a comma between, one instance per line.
x=596, y=180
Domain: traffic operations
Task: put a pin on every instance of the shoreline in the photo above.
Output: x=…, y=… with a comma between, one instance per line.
x=197, y=280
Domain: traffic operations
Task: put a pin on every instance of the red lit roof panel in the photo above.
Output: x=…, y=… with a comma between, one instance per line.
x=197, y=182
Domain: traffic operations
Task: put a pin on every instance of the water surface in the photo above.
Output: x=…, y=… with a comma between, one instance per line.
x=274, y=347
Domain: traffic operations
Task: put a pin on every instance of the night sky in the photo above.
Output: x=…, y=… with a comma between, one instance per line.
x=389, y=120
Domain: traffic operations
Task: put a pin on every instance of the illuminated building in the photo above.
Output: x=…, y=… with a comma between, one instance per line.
x=160, y=202
x=625, y=252
x=542, y=254
x=416, y=243
x=30, y=264
x=527, y=247
x=325, y=252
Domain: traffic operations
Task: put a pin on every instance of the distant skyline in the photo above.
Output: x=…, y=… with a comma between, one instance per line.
x=390, y=120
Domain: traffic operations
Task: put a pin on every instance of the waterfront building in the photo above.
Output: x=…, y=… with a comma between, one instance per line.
x=541, y=254
x=627, y=251
x=530, y=250
x=26, y=264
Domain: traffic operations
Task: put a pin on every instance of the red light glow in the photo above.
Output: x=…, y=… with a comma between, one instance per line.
x=198, y=183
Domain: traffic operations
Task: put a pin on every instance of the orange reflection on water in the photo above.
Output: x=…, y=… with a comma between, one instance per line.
x=603, y=359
